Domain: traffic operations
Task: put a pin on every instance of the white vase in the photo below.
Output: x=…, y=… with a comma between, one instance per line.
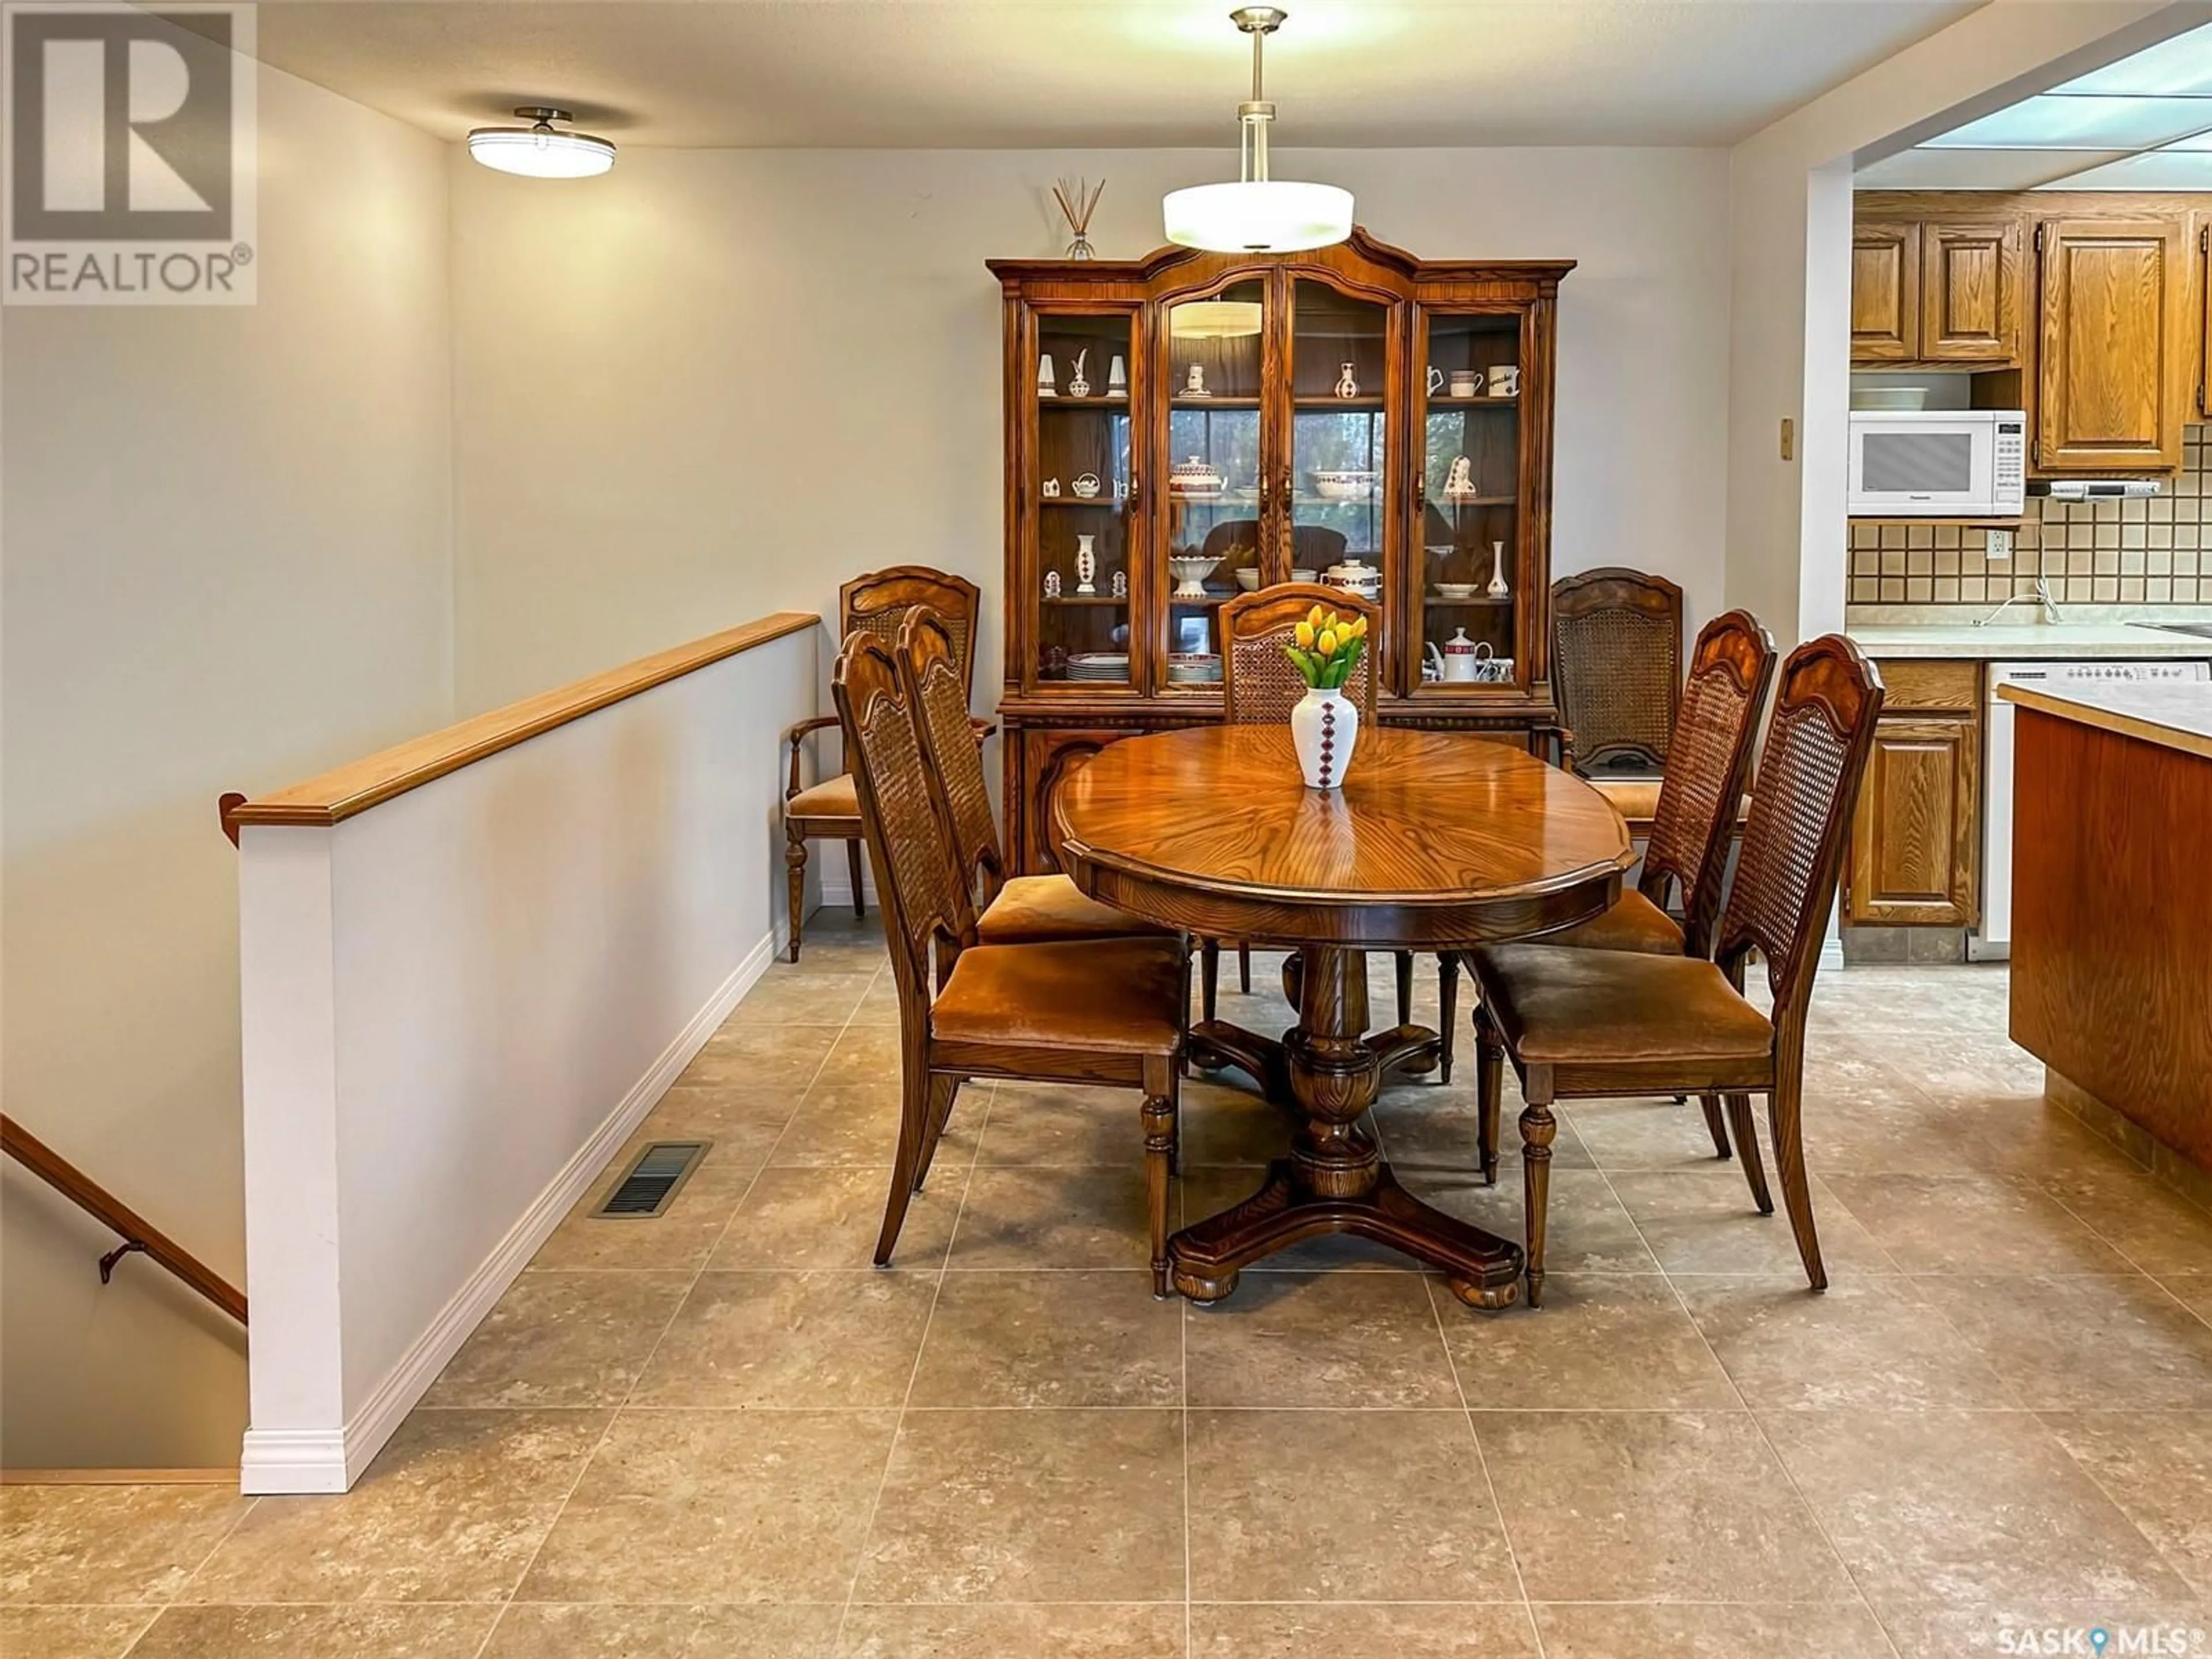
x=1324, y=730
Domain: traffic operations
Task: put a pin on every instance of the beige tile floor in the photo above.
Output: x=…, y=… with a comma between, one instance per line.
x=723, y=1433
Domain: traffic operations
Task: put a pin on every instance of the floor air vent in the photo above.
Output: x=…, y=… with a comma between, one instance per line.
x=653, y=1181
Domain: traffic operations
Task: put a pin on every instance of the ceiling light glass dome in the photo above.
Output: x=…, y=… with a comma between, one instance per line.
x=541, y=150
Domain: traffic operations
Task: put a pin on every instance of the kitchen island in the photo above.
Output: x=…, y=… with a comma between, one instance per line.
x=2111, y=950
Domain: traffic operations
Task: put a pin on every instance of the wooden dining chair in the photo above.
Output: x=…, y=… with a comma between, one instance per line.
x=1617, y=670
x=1259, y=686
x=1583, y=1023
x=1105, y=1011
x=1013, y=910
x=1707, y=760
x=827, y=810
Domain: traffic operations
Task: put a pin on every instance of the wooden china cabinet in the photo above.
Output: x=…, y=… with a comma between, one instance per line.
x=1186, y=417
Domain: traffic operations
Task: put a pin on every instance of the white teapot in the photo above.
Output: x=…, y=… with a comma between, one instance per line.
x=1458, y=662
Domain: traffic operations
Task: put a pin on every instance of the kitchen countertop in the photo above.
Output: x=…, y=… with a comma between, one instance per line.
x=2172, y=713
x=2031, y=642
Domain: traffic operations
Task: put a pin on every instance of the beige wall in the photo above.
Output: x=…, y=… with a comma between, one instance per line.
x=713, y=383
x=227, y=564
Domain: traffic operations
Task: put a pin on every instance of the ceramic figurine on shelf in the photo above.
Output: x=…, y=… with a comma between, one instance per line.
x=1121, y=585
x=1052, y=584
x=1077, y=385
x=1086, y=485
x=1347, y=385
x=1086, y=568
x=1194, y=381
x=1498, y=590
x=1117, y=378
x=1459, y=483
x=1049, y=489
x=1046, y=385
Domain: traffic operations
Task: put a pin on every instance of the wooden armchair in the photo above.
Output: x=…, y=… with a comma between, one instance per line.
x=1616, y=669
x=1578, y=1024
x=1015, y=909
x=1259, y=686
x=828, y=811
x=1099, y=1012
x=1708, y=761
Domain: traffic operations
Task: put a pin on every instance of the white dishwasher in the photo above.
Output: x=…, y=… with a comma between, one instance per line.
x=1994, y=940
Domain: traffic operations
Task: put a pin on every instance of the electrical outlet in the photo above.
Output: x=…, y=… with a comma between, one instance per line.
x=1999, y=550
x=1789, y=439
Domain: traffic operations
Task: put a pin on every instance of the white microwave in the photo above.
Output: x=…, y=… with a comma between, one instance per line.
x=1936, y=463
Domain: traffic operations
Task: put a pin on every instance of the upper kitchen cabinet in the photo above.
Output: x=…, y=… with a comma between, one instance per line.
x=2113, y=375
x=1969, y=292
x=1936, y=292
x=1885, y=292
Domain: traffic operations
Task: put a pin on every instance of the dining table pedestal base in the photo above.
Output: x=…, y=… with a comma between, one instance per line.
x=1334, y=1180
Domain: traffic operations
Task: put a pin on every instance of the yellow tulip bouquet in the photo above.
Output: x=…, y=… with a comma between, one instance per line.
x=1328, y=648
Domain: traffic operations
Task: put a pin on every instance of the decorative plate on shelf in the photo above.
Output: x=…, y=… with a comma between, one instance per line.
x=1098, y=665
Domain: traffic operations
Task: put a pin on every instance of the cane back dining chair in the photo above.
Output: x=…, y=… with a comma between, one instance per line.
x=1616, y=669
x=1101, y=1012
x=1708, y=761
x=1579, y=1024
x=1013, y=910
x=827, y=810
x=1259, y=686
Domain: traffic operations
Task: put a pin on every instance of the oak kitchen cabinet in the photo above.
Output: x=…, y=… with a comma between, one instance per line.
x=1936, y=292
x=1914, y=857
x=2092, y=310
x=2113, y=376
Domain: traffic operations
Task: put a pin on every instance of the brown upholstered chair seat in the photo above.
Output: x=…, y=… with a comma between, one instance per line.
x=1030, y=910
x=1118, y=996
x=1636, y=799
x=1634, y=923
x=1575, y=1009
x=832, y=798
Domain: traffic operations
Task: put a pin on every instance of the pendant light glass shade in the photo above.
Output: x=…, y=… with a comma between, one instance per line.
x=541, y=150
x=1257, y=214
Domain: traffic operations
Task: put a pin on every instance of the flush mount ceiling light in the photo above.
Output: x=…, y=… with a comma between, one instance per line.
x=1257, y=215
x=541, y=150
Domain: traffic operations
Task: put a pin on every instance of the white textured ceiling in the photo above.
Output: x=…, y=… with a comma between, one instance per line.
x=1044, y=74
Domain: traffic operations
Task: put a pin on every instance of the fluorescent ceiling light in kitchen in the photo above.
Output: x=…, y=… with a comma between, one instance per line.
x=1257, y=214
x=1979, y=169
x=541, y=150
x=2182, y=65
x=2157, y=169
x=2055, y=121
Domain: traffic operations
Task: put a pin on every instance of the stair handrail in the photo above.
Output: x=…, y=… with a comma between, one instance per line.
x=138, y=1234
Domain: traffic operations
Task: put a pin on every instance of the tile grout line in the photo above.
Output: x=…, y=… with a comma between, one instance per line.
x=913, y=1371
x=229, y=1532
x=674, y=1313
x=1757, y=1426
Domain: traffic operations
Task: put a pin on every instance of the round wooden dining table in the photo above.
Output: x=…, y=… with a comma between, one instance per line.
x=1436, y=840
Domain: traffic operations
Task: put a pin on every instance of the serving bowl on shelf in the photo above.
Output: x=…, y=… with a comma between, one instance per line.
x=1189, y=571
x=1193, y=668
x=1248, y=577
x=1344, y=484
x=1305, y=575
x=1458, y=590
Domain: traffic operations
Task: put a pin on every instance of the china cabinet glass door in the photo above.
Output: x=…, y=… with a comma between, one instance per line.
x=1215, y=489
x=1467, y=561
x=1083, y=489
x=1335, y=492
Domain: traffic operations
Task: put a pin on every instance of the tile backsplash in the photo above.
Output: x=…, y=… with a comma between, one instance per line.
x=2155, y=551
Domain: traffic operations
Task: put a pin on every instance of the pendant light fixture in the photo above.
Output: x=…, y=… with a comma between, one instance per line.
x=541, y=150
x=1257, y=214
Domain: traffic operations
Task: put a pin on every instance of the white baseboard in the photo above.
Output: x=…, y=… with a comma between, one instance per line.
x=291, y=1461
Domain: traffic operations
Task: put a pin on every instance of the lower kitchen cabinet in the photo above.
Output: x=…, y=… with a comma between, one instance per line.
x=1915, y=837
